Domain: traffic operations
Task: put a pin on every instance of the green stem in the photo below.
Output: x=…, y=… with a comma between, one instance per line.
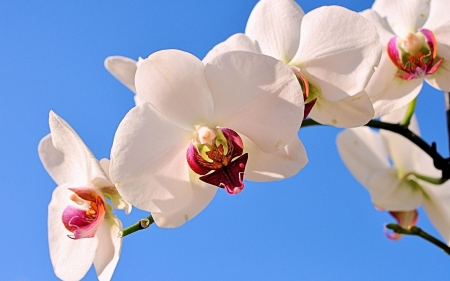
x=429, y=179
x=409, y=113
x=414, y=230
x=141, y=224
x=439, y=162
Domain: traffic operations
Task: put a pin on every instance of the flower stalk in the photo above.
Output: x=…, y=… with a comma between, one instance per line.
x=409, y=113
x=140, y=225
x=440, y=162
x=414, y=230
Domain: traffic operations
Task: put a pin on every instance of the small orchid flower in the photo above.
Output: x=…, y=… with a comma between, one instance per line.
x=414, y=34
x=206, y=126
x=392, y=187
x=332, y=51
x=81, y=226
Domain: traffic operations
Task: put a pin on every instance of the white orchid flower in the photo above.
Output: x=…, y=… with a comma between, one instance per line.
x=200, y=126
x=124, y=69
x=81, y=227
x=369, y=154
x=416, y=46
x=332, y=50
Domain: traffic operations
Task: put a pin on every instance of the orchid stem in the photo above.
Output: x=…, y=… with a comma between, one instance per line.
x=414, y=230
x=447, y=111
x=439, y=162
x=429, y=179
x=409, y=113
x=140, y=225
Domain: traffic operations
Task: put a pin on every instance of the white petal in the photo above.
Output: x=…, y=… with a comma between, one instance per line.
x=123, y=69
x=173, y=81
x=109, y=247
x=117, y=200
x=339, y=49
x=346, y=113
x=388, y=92
x=148, y=161
x=404, y=153
x=67, y=159
x=363, y=153
x=437, y=207
x=285, y=163
x=405, y=196
x=384, y=30
x=404, y=16
x=236, y=42
x=275, y=25
x=202, y=195
x=439, y=21
x=441, y=78
x=71, y=258
x=256, y=95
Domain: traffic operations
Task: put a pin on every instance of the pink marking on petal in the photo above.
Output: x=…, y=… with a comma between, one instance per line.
x=229, y=177
x=238, y=145
x=394, y=54
x=84, y=222
x=308, y=107
x=431, y=41
x=194, y=160
x=435, y=66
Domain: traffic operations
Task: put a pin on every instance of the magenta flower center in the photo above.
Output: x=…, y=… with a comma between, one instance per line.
x=415, y=56
x=306, y=91
x=84, y=218
x=217, y=155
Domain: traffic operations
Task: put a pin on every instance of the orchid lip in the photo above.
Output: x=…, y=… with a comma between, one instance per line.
x=84, y=218
x=415, y=56
x=219, y=160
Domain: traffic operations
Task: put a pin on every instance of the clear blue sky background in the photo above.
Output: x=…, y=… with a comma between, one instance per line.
x=318, y=225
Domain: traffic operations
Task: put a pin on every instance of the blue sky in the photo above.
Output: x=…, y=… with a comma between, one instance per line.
x=318, y=225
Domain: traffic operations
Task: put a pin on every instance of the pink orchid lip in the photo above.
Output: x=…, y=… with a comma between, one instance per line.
x=85, y=219
x=305, y=89
x=417, y=65
x=222, y=169
x=405, y=219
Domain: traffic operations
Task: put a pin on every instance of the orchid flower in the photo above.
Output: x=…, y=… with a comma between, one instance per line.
x=206, y=126
x=332, y=50
x=81, y=226
x=369, y=154
x=124, y=69
x=415, y=36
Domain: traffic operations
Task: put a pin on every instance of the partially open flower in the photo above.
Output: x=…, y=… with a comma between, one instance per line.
x=81, y=226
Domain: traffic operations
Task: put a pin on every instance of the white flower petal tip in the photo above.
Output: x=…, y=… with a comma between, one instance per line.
x=236, y=42
x=123, y=69
x=78, y=211
x=173, y=81
x=161, y=153
x=275, y=26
